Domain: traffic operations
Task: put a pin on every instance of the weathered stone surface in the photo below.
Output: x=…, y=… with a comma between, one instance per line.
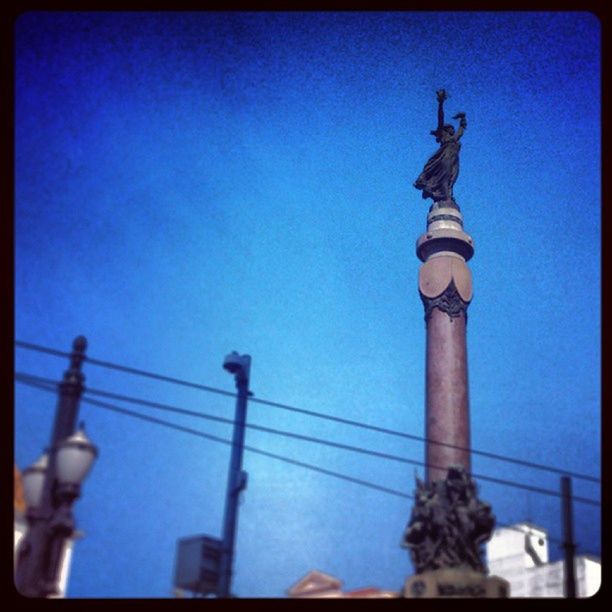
x=447, y=398
x=462, y=278
x=435, y=276
x=437, y=273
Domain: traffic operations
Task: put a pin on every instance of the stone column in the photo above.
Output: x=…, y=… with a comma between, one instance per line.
x=448, y=523
x=445, y=286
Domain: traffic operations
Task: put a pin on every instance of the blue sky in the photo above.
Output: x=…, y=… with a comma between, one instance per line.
x=188, y=184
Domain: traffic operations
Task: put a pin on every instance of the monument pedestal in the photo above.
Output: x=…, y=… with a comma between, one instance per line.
x=455, y=582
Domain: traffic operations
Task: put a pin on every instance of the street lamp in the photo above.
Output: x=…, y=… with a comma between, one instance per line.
x=52, y=484
x=75, y=457
x=240, y=367
x=203, y=563
x=33, y=480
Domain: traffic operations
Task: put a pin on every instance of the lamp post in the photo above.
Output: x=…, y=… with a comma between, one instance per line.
x=75, y=457
x=33, y=479
x=239, y=366
x=52, y=485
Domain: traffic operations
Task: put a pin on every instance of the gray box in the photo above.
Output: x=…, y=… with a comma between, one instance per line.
x=198, y=560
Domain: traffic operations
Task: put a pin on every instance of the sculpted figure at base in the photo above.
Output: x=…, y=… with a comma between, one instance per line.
x=448, y=524
x=441, y=171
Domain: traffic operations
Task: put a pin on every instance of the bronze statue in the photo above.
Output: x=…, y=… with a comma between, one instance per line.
x=448, y=524
x=441, y=171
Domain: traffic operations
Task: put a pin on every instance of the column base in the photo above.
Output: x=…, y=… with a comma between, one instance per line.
x=455, y=582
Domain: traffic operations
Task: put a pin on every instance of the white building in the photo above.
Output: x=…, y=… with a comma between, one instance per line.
x=520, y=555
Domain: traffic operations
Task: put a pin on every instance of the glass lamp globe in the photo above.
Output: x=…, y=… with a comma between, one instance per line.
x=74, y=458
x=33, y=479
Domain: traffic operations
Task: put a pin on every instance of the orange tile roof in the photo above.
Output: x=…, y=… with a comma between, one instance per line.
x=19, y=499
x=369, y=592
x=362, y=592
x=317, y=584
x=314, y=582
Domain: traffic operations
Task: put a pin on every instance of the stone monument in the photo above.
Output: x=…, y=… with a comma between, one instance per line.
x=449, y=523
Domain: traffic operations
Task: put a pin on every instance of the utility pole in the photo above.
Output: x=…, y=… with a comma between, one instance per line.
x=40, y=551
x=568, y=537
x=239, y=366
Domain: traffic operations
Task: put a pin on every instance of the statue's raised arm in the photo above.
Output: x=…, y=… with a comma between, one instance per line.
x=441, y=94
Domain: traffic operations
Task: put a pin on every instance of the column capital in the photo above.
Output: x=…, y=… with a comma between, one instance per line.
x=449, y=301
x=445, y=282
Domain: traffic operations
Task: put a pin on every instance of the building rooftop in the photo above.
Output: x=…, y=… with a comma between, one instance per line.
x=317, y=584
x=19, y=503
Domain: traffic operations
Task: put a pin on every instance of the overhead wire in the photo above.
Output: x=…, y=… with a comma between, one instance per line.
x=312, y=439
x=214, y=438
x=345, y=421
x=46, y=386
x=127, y=369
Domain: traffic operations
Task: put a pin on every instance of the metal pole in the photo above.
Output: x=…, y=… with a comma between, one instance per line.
x=38, y=559
x=568, y=537
x=236, y=480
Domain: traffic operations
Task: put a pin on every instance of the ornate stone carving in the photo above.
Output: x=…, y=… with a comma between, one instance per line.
x=449, y=301
x=448, y=524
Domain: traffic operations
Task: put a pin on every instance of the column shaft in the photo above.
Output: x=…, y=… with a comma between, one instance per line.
x=446, y=391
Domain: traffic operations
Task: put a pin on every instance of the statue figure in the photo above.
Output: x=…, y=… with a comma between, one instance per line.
x=441, y=171
x=448, y=524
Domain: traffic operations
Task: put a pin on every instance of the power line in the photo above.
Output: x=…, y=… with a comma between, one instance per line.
x=252, y=449
x=351, y=422
x=276, y=456
x=331, y=443
x=127, y=369
x=287, y=434
x=408, y=436
x=50, y=387
x=41, y=349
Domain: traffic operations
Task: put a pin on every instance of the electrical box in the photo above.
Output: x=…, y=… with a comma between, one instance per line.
x=198, y=561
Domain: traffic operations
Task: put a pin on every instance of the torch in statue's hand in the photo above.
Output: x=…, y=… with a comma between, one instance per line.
x=441, y=95
x=462, y=120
